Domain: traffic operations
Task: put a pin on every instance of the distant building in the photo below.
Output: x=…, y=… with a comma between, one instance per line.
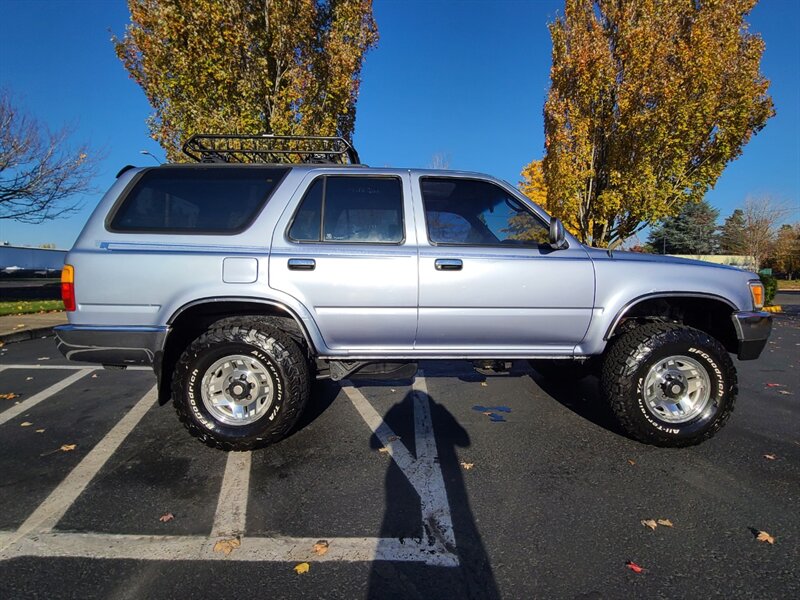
x=17, y=261
x=743, y=262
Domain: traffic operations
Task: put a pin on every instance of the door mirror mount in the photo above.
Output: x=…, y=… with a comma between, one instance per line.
x=557, y=238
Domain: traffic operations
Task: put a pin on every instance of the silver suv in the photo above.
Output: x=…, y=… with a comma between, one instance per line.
x=272, y=261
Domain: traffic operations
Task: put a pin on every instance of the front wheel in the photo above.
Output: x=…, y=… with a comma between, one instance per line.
x=241, y=385
x=668, y=384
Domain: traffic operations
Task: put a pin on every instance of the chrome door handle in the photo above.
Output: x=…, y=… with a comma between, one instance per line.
x=448, y=264
x=302, y=264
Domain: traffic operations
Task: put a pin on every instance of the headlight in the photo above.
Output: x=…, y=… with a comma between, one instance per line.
x=757, y=292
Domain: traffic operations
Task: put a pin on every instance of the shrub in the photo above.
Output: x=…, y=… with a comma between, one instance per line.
x=770, y=287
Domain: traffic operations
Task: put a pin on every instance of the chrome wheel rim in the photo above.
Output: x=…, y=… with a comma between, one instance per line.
x=677, y=389
x=237, y=389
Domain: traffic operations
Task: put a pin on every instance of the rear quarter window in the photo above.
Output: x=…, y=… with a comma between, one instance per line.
x=220, y=200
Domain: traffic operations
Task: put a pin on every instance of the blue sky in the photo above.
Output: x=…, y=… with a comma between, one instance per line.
x=462, y=78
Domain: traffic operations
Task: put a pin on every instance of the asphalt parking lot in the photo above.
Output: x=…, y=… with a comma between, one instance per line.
x=417, y=493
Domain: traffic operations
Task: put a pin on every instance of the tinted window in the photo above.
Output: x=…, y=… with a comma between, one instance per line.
x=308, y=220
x=463, y=211
x=196, y=200
x=350, y=209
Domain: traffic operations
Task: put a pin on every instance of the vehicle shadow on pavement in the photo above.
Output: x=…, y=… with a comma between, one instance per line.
x=582, y=396
x=323, y=393
x=473, y=577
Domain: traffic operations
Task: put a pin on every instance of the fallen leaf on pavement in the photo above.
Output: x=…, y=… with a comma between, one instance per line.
x=25, y=424
x=651, y=523
x=302, y=568
x=631, y=462
x=321, y=547
x=227, y=546
x=383, y=450
x=634, y=567
x=467, y=466
x=763, y=536
x=665, y=522
x=770, y=456
x=9, y=396
x=166, y=517
x=68, y=447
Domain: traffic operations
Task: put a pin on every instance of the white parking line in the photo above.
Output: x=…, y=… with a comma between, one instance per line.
x=25, y=405
x=424, y=472
x=252, y=549
x=49, y=512
x=435, y=507
x=231, y=514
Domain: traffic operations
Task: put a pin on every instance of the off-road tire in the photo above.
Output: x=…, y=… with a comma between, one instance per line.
x=627, y=362
x=288, y=366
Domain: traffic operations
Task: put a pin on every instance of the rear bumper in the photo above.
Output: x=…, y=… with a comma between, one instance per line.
x=114, y=346
x=752, y=329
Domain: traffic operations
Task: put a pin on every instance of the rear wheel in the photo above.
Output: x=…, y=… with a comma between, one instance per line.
x=241, y=385
x=669, y=385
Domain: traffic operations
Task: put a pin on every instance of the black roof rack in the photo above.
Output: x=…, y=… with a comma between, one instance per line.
x=267, y=148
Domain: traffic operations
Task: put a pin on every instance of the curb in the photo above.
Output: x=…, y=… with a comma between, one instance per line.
x=773, y=309
x=26, y=334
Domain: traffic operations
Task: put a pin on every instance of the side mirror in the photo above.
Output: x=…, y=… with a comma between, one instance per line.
x=557, y=240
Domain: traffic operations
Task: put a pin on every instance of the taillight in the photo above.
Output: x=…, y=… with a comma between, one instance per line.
x=68, y=287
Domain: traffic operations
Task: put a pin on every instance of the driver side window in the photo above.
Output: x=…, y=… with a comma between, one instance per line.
x=478, y=213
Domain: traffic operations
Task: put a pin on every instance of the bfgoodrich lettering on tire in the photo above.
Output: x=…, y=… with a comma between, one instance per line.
x=668, y=384
x=241, y=385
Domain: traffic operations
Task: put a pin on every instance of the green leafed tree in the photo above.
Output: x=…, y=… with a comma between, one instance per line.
x=648, y=102
x=732, y=238
x=691, y=231
x=287, y=67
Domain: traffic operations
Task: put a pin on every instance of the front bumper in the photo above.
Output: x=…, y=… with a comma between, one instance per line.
x=113, y=346
x=752, y=329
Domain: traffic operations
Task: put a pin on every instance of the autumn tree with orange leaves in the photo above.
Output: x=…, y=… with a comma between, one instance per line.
x=649, y=101
x=287, y=67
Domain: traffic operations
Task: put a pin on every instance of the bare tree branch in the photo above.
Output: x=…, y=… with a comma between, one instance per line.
x=762, y=215
x=40, y=172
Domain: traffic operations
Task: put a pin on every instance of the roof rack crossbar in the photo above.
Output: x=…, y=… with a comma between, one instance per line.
x=267, y=148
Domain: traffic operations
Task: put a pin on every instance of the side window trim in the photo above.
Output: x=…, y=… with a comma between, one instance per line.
x=527, y=208
x=320, y=239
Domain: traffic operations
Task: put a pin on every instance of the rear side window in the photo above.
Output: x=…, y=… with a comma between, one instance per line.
x=350, y=209
x=196, y=200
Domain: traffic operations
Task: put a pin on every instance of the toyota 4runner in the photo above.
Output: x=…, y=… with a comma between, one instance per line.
x=271, y=261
